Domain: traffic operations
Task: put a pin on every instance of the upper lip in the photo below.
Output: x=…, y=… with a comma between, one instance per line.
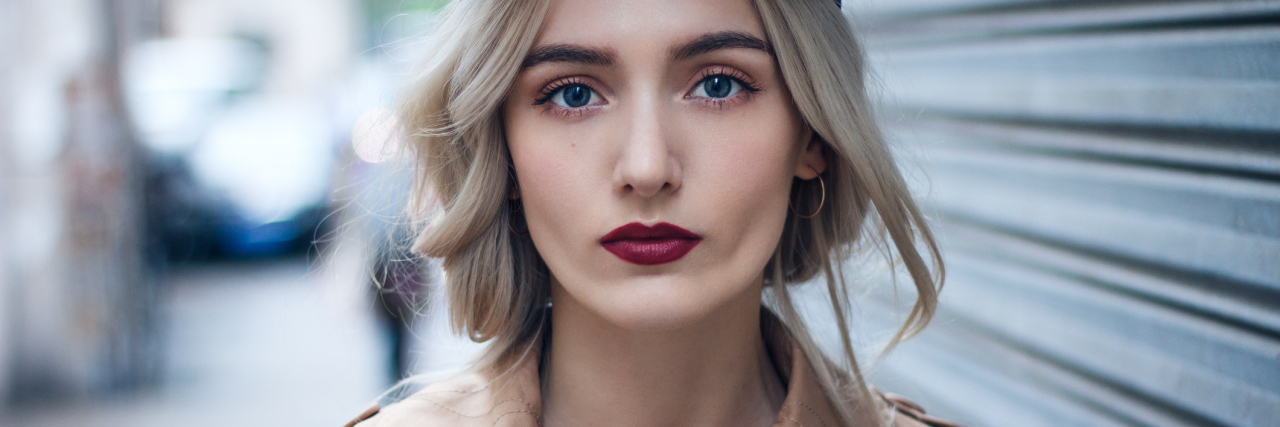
x=659, y=231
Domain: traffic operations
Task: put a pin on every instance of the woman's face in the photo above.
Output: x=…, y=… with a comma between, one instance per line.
x=633, y=116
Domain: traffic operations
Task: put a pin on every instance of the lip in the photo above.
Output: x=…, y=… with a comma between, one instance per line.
x=639, y=244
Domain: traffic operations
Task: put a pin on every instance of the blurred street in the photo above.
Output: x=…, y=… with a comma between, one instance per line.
x=275, y=342
x=168, y=169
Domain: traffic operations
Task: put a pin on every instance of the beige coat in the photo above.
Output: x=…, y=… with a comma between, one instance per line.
x=514, y=400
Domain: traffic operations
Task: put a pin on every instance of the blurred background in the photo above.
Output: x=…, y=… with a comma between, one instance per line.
x=188, y=235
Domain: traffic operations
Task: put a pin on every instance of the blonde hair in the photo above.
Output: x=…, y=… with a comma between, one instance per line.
x=498, y=285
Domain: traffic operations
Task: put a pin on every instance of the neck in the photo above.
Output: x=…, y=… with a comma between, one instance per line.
x=714, y=372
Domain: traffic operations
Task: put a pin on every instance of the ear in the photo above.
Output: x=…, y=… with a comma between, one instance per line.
x=812, y=161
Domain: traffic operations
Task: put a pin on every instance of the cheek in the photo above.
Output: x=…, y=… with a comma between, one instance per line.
x=747, y=167
x=560, y=180
x=554, y=200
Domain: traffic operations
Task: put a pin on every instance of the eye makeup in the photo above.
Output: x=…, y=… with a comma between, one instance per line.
x=748, y=86
x=551, y=98
x=556, y=88
x=548, y=90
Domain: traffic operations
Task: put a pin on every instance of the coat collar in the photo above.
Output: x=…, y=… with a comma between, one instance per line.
x=513, y=398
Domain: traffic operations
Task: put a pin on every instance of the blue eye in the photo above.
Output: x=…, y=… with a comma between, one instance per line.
x=573, y=96
x=718, y=86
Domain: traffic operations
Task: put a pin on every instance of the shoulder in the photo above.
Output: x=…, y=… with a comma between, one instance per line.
x=906, y=413
x=463, y=401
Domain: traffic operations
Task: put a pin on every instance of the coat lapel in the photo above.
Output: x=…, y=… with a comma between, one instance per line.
x=806, y=405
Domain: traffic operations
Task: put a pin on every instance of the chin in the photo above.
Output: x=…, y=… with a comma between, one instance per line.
x=659, y=303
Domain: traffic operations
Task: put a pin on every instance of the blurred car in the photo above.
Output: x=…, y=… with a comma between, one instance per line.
x=268, y=167
x=231, y=171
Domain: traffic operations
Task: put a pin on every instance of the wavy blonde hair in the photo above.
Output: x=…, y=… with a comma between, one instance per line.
x=497, y=284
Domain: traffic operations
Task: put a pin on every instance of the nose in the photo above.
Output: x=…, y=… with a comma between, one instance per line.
x=647, y=166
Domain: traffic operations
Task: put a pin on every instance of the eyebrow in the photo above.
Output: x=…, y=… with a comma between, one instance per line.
x=702, y=45
x=567, y=53
x=721, y=40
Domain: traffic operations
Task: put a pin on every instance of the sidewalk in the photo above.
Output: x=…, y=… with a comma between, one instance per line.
x=269, y=343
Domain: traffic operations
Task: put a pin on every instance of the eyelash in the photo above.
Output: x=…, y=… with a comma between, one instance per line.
x=550, y=90
x=749, y=88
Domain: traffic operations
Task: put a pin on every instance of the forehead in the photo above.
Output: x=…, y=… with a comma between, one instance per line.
x=659, y=24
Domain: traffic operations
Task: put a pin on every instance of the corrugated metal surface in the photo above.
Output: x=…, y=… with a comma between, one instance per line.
x=1106, y=176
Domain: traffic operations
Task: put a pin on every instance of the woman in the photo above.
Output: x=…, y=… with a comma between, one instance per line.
x=653, y=170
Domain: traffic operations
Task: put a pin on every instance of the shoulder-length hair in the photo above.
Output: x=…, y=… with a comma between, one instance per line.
x=497, y=284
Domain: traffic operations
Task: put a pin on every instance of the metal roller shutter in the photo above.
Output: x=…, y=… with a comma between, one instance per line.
x=1106, y=177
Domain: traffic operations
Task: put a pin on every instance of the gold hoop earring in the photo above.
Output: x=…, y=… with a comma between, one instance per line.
x=821, y=203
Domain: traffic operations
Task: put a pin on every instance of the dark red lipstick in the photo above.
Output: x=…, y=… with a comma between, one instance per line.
x=637, y=243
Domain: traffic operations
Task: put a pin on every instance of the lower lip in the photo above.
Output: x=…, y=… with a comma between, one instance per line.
x=651, y=251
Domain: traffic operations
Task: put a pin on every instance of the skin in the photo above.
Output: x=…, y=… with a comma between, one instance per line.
x=677, y=343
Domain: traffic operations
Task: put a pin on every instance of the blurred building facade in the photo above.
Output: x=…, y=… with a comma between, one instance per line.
x=79, y=264
x=75, y=293
x=1106, y=180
